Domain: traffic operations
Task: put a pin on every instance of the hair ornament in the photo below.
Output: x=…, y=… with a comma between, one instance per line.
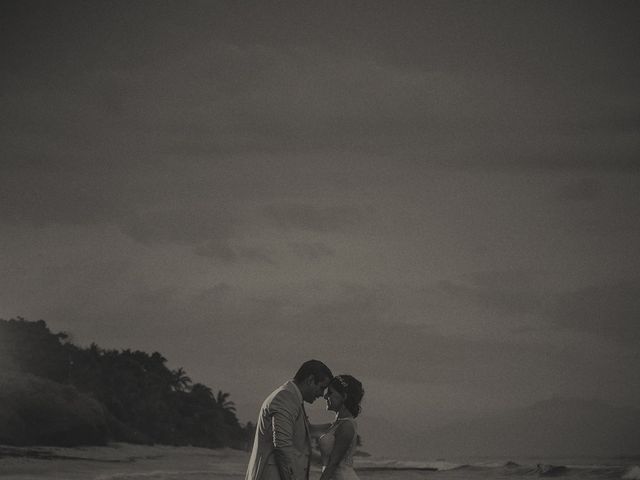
x=341, y=380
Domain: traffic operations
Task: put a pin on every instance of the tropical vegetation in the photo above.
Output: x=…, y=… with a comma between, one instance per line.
x=55, y=392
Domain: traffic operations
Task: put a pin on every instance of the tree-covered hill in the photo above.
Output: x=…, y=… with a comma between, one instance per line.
x=55, y=392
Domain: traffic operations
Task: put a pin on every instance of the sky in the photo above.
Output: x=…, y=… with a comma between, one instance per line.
x=441, y=198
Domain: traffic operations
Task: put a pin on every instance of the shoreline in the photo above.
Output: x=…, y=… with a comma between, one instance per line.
x=120, y=461
x=124, y=461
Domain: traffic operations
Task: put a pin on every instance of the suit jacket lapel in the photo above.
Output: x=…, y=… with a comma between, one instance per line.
x=306, y=426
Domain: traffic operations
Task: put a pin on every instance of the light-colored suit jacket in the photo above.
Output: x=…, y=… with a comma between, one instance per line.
x=282, y=446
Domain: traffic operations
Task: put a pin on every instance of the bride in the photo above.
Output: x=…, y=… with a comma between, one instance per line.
x=338, y=444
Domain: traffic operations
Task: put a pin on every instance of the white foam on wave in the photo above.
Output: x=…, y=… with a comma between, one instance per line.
x=442, y=465
x=405, y=465
x=632, y=474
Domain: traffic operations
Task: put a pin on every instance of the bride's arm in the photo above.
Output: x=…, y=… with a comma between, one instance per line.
x=344, y=436
x=315, y=430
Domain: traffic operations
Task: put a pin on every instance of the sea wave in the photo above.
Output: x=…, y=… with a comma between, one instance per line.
x=581, y=471
x=551, y=470
x=632, y=474
x=510, y=468
x=405, y=465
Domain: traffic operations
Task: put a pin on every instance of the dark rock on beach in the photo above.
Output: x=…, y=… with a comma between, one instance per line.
x=36, y=411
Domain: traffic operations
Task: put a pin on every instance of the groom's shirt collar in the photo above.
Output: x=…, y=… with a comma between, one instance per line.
x=296, y=390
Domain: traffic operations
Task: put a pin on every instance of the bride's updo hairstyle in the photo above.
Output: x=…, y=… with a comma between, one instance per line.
x=352, y=389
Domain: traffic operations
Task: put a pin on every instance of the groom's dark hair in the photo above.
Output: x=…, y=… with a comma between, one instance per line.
x=313, y=367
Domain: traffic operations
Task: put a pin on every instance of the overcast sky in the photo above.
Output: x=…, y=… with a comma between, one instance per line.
x=440, y=198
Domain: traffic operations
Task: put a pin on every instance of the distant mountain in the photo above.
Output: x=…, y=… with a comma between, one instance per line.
x=554, y=427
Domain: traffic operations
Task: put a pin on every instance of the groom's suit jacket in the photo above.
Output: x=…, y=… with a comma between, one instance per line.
x=282, y=446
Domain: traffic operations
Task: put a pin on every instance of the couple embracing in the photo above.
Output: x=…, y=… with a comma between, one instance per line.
x=282, y=445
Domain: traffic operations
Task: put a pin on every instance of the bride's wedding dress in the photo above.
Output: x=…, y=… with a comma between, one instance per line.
x=326, y=442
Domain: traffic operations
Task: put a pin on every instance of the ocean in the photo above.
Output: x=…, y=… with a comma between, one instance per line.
x=501, y=469
x=138, y=462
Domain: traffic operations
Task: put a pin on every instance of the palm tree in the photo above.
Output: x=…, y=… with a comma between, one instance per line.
x=202, y=392
x=181, y=382
x=223, y=403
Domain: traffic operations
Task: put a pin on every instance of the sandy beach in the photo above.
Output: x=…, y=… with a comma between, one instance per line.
x=120, y=461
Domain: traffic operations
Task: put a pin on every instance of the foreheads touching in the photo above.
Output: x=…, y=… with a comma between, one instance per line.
x=312, y=378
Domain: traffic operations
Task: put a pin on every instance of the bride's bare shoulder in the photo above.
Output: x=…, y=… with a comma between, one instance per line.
x=346, y=427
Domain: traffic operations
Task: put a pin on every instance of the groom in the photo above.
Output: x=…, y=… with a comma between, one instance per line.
x=282, y=446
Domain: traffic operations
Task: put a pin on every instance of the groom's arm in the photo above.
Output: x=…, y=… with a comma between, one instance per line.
x=284, y=412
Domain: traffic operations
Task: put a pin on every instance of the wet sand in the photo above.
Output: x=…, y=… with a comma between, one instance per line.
x=121, y=461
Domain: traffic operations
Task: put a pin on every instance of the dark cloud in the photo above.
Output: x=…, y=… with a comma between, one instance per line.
x=186, y=225
x=211, y=94
x=311, y=250
x=220, y=250
x=503, y=299
x=52, y=195
x=605, y=311
x=358, y=323
x=353, y=324
x=547, y=152
x=601, y=208
x=199, y=179
x=226, y=252
x=310, y=100
x=620, y=120
x=506, y=279
x=210, y=231
x=586, y=190
x=314, y=218
x=152, y=299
